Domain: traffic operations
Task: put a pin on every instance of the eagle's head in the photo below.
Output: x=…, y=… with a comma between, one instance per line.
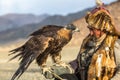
x=72, y=27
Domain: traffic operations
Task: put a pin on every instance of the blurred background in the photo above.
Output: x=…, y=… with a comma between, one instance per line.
x=19, y=18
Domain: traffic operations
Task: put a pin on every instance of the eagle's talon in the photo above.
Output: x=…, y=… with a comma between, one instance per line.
x=45, y=69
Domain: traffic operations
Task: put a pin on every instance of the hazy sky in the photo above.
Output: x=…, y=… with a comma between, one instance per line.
x=46, y=6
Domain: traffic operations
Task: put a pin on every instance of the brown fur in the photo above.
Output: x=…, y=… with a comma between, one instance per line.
x=108, y=64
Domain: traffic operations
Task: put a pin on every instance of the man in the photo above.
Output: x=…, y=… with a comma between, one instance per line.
x=96, y=59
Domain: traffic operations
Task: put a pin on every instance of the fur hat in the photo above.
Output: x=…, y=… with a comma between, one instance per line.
x=100, y=18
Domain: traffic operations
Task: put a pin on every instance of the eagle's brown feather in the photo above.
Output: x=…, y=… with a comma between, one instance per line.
x=46, y=41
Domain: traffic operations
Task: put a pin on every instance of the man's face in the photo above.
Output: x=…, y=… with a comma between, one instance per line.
x=95, y=32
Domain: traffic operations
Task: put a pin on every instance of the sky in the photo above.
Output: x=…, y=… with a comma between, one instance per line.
x=52, y=7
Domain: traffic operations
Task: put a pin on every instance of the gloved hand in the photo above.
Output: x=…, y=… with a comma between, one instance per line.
x=57, y=72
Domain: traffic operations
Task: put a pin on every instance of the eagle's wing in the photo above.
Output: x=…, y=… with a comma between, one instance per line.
x=47, y=28
x=28, y=52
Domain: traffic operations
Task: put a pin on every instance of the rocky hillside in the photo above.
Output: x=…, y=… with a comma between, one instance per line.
x=9, y=21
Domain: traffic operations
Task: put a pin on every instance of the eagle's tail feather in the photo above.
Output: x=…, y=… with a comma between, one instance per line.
x=14, y=56
x=23, y=66
x=17, y=50
x=26, y=56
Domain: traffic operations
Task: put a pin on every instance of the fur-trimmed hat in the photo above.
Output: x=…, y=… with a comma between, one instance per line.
x=100, y=18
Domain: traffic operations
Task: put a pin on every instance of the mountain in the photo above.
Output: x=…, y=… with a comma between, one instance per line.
x=17, y=20
x=5, y=22
x=62, y=20
x=13, y=34
x=76, y=18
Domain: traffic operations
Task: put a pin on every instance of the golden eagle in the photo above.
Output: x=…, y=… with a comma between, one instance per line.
x=46, y=41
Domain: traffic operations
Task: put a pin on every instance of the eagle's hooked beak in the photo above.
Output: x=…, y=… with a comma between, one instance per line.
x=77, y=30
